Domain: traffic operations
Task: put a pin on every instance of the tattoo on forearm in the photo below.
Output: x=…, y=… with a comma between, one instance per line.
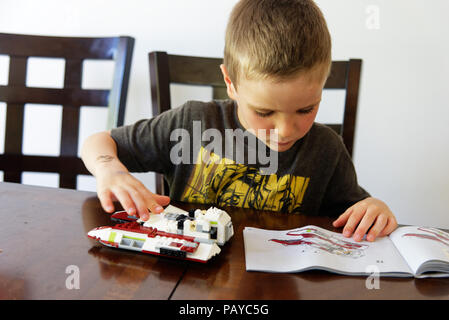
x=105, y=158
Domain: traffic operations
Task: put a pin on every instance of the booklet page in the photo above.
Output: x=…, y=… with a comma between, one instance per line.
x=421, y=244
x=311, y=247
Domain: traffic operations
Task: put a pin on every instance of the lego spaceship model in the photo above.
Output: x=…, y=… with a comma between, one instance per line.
x=191, y=235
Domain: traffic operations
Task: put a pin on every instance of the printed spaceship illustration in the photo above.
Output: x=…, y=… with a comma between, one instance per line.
x=194, y=235
x=314, y=238
x=435, y=235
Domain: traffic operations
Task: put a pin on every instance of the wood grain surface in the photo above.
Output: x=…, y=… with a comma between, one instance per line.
x=43, y=232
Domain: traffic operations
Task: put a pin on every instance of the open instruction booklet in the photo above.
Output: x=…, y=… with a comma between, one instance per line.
x=407, y=252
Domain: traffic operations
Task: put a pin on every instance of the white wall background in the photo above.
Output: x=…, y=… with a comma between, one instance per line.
x=401, y=147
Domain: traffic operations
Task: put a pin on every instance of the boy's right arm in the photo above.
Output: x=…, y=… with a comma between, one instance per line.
x=114, y=182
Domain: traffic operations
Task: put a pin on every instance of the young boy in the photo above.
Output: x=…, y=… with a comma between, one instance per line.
x=277, y=58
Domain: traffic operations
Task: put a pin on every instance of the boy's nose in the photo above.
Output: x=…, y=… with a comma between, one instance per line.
x=286, y=129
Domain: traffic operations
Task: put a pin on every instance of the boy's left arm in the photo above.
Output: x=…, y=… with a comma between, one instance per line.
x=368, y=215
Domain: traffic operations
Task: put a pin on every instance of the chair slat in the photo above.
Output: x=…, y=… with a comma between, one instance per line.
x=118, y=93
x=15, y=111
x=69, y=131
x=73, y=73
x=71, y=111
x=57, y=47
x=337, y=76
x=352, y=95
x=14, y=128
x=17, y=71
x=19, y=163
x=195, y=70
x=220, y=93
x=160, y=82
x=22, y=94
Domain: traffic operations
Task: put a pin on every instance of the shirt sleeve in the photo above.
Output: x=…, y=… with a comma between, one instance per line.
x=343, y=189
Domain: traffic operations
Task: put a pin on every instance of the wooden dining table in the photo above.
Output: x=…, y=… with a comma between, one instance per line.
x=45, y=254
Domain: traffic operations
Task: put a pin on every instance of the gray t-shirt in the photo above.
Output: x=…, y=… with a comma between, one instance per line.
x=207, y=157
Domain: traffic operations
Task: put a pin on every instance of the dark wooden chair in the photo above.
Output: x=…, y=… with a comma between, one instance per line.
x=166, y=69
x=346, y=75
x=71, y=97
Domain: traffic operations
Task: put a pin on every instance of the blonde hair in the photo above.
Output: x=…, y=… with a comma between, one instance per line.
x=275, y=38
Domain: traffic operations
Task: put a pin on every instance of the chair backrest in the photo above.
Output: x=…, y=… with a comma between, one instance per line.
x=166, y=69
x=71, y=97
x=346, y=75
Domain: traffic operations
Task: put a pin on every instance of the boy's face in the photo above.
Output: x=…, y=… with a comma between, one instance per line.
x=288, y=106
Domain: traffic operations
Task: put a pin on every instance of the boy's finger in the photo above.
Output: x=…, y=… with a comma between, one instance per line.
x=140, y=203
x=126, y=201
x=155, y=207
x=106, y=201
x=376, y=229
x=390, y=227
x=155, y=201
x=353, y=221
x=365, y=223
x=161, y=200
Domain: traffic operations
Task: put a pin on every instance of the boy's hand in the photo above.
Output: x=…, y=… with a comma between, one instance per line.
x=365, y=214
x=134, y=197
x=114, y=182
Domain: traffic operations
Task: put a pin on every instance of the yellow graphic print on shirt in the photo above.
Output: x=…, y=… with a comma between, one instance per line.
x=223, y=182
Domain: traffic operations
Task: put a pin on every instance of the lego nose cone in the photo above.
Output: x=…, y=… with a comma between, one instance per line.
x=96, y=233
x=93, y=234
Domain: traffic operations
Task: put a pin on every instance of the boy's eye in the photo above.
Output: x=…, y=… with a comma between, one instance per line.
x=269, y=113
x=305, y=111
x=264, y=114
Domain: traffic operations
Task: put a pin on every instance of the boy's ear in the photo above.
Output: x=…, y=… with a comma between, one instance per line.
x=230, y=89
